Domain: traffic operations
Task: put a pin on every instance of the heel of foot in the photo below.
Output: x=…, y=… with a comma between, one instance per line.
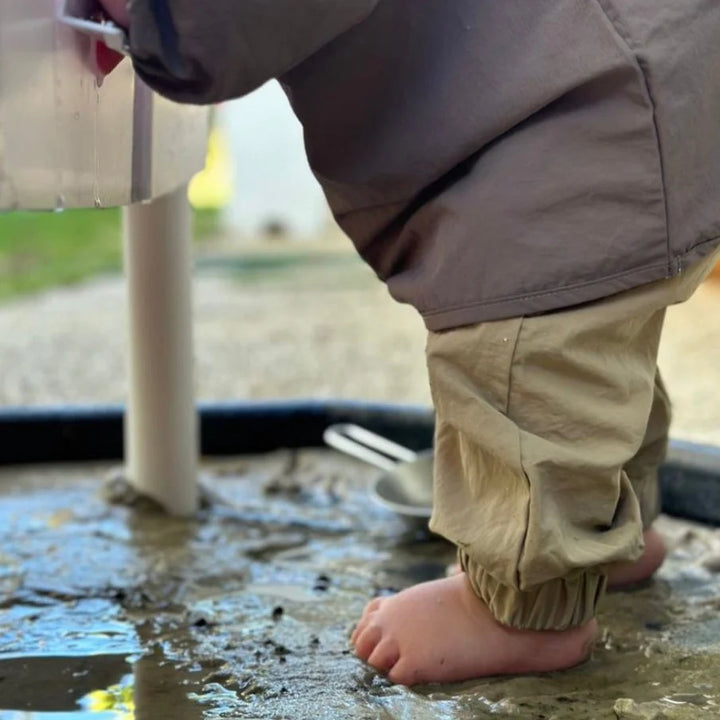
x=631, y=575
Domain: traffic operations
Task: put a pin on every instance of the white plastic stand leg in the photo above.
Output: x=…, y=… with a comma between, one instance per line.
x=161, y=426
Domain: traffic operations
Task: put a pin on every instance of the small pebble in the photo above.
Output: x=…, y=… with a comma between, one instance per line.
x=628, y=709
x=712, y=562
x=322, y=583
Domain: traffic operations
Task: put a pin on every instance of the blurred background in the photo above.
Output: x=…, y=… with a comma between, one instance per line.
x=283, y=306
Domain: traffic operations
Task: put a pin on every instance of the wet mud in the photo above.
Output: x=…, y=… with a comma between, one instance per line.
x=111, y=610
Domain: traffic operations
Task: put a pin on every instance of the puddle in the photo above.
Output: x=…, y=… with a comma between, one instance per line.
x=74, y=686
x=245, y=611
x=105, y=687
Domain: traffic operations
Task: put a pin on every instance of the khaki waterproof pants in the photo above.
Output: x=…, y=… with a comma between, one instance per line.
x=550, y=431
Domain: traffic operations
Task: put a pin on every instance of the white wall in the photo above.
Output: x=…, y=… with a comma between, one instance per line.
x=272, y=179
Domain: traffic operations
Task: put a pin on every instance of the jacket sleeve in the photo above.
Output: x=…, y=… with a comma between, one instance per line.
x=204, y=52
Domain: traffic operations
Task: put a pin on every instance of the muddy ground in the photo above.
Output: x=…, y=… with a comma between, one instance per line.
x=109, y=611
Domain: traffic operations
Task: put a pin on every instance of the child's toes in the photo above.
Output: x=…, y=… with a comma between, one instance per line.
x=367, y=641
x=403, y=673
x=385, y=655
x=364, y=622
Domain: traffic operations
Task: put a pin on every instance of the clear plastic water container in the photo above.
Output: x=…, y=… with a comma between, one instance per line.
x=71, y=138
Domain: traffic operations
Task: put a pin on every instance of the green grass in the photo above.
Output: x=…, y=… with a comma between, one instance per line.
x=42, y=250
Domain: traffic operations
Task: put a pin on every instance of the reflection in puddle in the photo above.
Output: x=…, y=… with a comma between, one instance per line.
x=117, y=701
x=102, y=687
x=66, y=687
x=80, y=715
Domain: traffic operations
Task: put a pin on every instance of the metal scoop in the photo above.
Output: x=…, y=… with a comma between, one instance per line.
x=406, y=487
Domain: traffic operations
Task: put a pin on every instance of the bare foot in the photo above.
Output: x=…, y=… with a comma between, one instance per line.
x=440, y=631
x=623, y=574
x=629, y=573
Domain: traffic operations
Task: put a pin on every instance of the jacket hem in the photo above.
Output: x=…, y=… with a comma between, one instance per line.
x=545, y=301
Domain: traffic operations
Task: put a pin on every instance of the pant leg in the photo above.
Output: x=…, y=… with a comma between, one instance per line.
x=537, y=420
x=643, y=469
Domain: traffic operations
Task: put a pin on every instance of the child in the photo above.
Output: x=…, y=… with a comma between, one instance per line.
x=540, y=180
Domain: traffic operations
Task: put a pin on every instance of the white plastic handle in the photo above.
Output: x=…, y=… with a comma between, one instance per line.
x=75, y=13
x=365, y=445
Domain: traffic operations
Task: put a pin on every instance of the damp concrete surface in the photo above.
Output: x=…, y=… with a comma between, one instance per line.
x=110, y=610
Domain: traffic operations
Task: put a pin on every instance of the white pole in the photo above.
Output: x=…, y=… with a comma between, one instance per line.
x=161, y=427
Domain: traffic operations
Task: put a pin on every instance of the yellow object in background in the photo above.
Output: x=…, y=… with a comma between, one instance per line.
x=212, y=187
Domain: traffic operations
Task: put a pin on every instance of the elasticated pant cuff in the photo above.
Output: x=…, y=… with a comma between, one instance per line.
x=556, y=605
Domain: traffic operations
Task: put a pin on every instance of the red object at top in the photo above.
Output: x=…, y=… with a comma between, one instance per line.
x=107, y=59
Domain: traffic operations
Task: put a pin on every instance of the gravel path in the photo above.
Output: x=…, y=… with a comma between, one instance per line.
x=291, y=337
x=305, y=333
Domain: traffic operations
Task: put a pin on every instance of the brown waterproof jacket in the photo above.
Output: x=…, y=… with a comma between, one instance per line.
x=488, y=158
